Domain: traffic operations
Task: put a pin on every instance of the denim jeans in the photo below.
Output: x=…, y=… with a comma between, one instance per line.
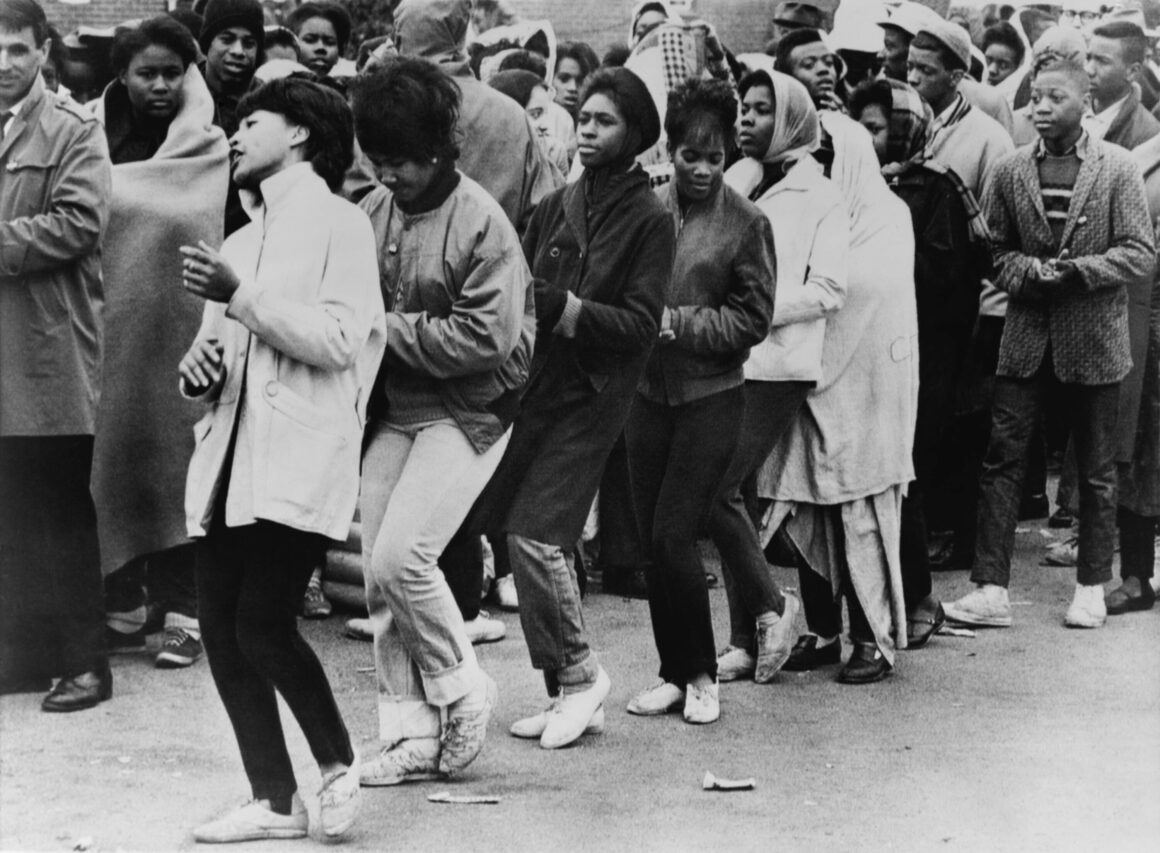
x=677, y=457
x=250, y=582
x=1015, y=412
x=550, y=614
x=770, y=408
x=418, y=483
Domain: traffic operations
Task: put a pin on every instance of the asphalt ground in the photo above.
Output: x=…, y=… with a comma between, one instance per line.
x=1032, y=738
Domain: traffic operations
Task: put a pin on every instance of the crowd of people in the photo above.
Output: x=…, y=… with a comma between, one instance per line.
x=532, y=313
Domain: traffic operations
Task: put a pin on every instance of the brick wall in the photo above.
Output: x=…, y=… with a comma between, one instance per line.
x=602, y=23
x=99, y=13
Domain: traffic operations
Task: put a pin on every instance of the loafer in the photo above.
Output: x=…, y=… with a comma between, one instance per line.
x=661, y=698
x=574, y=712
x=86, y=690
x=988, y=606
x=924, y=622
x=359, y=628
x=339, y=800
x=533, y=727
x=1119, y=601
x=775, y=641
x=808, y=655
x=254, y=821
x=865, y=666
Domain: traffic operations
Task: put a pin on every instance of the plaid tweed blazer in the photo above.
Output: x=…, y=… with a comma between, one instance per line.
x=1109, y=237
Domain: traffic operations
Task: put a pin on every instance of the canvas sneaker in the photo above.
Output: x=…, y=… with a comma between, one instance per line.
x=254, y=821
x=987, y=607
x=178, y=649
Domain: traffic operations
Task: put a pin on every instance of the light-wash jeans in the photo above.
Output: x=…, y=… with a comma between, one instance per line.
x=550, y=614
x=418, y=483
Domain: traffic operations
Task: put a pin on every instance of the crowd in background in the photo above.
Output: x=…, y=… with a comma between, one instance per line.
x=539, y=320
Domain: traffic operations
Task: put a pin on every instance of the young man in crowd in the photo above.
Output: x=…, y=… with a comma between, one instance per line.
x=1115, y=58
x=55, y=179
x=1071, y=230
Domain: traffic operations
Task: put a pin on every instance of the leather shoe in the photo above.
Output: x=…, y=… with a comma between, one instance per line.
x=924, y=622
x=807, y=655
x=80, y=692
x=865, y=666
x=1121, y=601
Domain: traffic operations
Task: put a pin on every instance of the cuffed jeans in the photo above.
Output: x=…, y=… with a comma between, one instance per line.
x=550, y=614
x=250, y=582
x=770, y=408
x=418, y=483
x=677, y=457
x=1015, y=412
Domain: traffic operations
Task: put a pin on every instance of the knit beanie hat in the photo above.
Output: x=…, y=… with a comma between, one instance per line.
x=222, y=14
x=632, y=96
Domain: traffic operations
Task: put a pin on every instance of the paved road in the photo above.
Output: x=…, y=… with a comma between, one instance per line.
x=1026, y=739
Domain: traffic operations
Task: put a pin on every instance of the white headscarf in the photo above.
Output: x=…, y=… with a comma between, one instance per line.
x=796, y=130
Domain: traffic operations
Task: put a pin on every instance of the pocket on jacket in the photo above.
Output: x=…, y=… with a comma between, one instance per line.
x=310, y=457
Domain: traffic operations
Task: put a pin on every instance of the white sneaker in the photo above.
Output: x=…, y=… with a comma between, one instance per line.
x=339, y=800
x=409, y=760
x=572, y=714
x=776, y=636
x=484, y=629
x=1065, y=553
x=533, y=727
x=987, y=607
x=359, y=629
x=254, y=822
x=734, y=664
x=504, y=594
x=702, y=704
x=661, y=698
x=1087, y=609
x=466, y=726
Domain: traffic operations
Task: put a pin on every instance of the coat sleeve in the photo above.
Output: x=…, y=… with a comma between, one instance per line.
x=742, y=321
x=74, y=221
x=1012, y=265
x=824, y=290
x=483, y=327
x=330, y=332
x=1131, y=251
x=632, y=326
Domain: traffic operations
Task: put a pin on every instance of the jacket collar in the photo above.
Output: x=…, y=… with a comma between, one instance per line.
x=1124, y=116
x=802, y=177
x=27, y=107
x=277, y=189
x=696, y=209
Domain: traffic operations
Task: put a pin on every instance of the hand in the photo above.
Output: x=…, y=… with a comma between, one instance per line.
x=667, y=335
x=831, y=101
x=550, y=303
x=201, y=368
x=206, y=273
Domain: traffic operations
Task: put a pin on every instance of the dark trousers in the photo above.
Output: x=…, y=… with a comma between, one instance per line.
x=52, y=616
x=621, y=549
x=250, y=582
x=169, y=576
x=677, y=456
x=1137, y=544
x=1017, y=407
x=770, y=408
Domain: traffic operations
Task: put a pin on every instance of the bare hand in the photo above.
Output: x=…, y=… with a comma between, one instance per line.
x=667, y=335
x=206, y=273
x=831, y=101
x=201, y=368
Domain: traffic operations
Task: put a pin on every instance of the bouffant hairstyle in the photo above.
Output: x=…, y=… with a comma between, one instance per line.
x=163, y=31
x=699, y=110
x=324, y=114
x=407, y=110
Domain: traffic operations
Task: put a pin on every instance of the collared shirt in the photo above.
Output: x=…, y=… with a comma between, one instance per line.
x=11, y=115
x=1098, y=124
x=1080, y=148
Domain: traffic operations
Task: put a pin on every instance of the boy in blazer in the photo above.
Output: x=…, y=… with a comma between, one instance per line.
x=1071, y=229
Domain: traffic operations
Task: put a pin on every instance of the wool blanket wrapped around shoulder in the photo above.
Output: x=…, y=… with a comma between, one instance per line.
x=144, y=434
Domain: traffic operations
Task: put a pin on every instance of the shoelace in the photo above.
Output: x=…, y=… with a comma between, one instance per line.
x=175, y=637
x=403, y=760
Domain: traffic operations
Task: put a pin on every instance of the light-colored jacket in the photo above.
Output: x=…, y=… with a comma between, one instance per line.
x=305, y=330
x=811, y=239
x=55, y=179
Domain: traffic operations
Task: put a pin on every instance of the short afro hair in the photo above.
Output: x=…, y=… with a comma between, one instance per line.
x=1006, y=35
x=338, y=16
x=407, y=110
x=790, y=42
x=324, y=114
x=163, y=31
x=1135, y=44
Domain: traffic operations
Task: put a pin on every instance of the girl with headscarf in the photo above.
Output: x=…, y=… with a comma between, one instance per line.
x=952, y=256
x=777, y=130
x=685, y=421
x=837, y=477
x=600, y=250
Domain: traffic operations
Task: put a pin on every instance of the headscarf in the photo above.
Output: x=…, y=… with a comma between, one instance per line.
x=907, y=129
x=796, y=131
